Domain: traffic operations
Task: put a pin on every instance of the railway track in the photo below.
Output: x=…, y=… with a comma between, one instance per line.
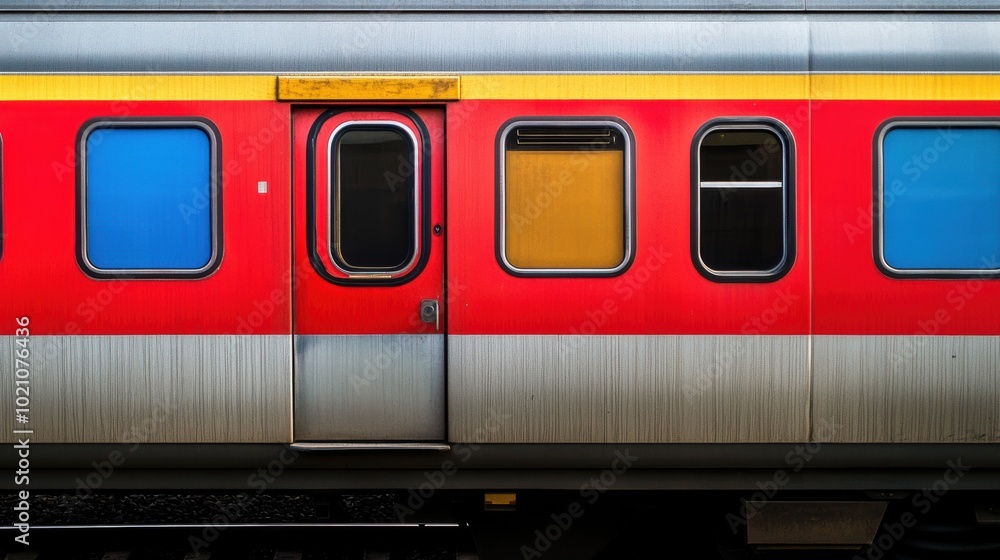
x=248, y=542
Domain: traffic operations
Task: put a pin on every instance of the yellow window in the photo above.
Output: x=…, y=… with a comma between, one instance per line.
x=566, y=197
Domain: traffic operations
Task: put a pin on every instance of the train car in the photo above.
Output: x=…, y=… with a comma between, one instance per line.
x=573, y=272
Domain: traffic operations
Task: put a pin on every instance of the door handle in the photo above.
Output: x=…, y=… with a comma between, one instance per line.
x=430, y=312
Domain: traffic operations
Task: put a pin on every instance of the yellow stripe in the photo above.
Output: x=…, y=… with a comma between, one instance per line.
x=135, y=88
x=380, y=88
x=939, y=87
x=899, y=87
x=932, y=87
x=636, y=86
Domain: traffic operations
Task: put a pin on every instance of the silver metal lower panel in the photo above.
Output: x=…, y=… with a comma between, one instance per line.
x=882, y=389
x=509, y=389
x=163, y=389
x=628, y=389
x=369, y=387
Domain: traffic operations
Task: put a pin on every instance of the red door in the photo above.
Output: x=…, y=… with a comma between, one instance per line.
x=369, y=266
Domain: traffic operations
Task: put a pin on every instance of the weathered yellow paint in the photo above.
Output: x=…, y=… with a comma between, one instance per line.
x=901, y=87
x=394, y=87
x=565, y=209
x=377, y=88
x=51, y=87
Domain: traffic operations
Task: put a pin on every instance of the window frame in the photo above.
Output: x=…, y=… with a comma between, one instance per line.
x=333, y=195
x=787, y=141
x=878, y=225
x=628, y=201
x=424, y=186
x=215, y=196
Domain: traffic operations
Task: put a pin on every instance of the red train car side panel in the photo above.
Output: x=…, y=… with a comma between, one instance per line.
x=322, y=307
x=247, y=294
x=849, y=288
x=662, y=292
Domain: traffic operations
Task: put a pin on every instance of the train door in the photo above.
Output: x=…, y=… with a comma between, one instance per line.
x=369, y=274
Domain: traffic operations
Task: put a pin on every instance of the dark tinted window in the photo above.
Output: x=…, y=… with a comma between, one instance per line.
x=741, y=156
x=742, y=194
x=374, y=199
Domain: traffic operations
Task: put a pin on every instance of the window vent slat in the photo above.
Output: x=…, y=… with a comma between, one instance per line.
x=597, y=137
x=741, y=185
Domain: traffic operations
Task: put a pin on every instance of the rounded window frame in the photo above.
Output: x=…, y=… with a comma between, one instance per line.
x=787, y=140
x=878, y=188
x=629, y=218
x=313, y=183
x=333, y=194
x=215, y=197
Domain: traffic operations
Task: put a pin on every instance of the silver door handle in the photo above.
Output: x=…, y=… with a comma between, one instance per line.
x=430, y=312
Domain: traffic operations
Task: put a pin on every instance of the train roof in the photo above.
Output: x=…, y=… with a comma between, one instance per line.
x=480, y=36
x=508, y=6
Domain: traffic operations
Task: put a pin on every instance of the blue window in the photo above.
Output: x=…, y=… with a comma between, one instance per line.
x=939, y=199
x=149, y=198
